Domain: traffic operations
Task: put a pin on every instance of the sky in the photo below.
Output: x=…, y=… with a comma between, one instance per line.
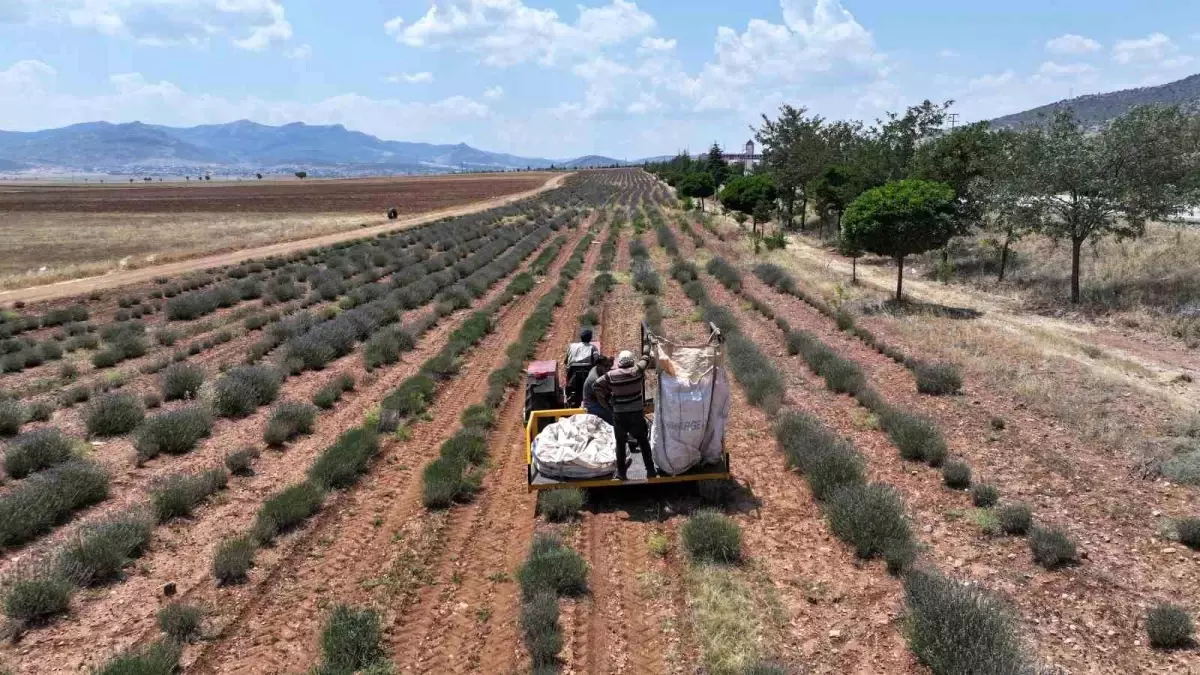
x=560, y=79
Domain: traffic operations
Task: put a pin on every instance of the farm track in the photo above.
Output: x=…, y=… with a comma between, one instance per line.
x=378, y=537
x=610, y=633
x=1083, y=619
x=467, y=619
x=79, y=287
x=228, y=514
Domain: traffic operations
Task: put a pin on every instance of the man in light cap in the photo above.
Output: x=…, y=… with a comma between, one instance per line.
x=621, y=391
x=581, y=358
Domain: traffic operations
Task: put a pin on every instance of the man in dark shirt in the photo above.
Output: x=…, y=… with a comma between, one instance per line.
x=621, y=391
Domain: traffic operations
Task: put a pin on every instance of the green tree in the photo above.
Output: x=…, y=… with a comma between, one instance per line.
x=1003, y=189
x=794, y=155
x=959, y=159
x=698, y=185
x=761, y=215
x=835, y=188
x=743, y=193
x=301, y=175
x=716, y=165
x=1143, y=167
x=900, y=219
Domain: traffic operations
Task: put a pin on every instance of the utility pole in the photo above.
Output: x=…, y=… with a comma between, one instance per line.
x=953, y=120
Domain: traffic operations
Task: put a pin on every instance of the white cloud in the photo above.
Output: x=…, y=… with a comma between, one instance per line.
x=1052, y=69
x=494, y=93
x=508, y=32
x=1154, y=48
x=301, y=53
x=411, y=78
x=248, y=24
x=657, y=44
x=948, y=54
x=24, y=76
x=991, y=81
x=1072, y=44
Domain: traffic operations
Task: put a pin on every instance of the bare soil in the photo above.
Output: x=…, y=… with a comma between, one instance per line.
x=125, y=258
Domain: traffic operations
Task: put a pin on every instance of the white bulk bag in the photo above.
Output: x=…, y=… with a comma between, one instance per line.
x=579, y=446
x=690, y=408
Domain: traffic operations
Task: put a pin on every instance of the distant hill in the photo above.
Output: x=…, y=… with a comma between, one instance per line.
x=1096, y=109
x=591, y=162
x=245, y=146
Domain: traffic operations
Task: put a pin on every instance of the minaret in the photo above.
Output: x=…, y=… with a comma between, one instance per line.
x=749, y=160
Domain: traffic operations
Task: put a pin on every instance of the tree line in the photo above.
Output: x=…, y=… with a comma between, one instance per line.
x=907, y=184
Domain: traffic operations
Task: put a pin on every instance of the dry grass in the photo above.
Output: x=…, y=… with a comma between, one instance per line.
x=1152, y=282
x=41, y=248
x=727, y=619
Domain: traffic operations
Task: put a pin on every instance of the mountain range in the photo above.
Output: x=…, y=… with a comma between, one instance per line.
x=247, y=147
x=1097, y=109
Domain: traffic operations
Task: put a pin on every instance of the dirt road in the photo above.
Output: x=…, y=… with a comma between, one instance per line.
x=370, y=228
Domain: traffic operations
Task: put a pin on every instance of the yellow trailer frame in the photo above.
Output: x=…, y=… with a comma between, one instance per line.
x=542, y=483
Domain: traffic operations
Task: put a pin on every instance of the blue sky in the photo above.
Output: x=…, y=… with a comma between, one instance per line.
x=626, y=78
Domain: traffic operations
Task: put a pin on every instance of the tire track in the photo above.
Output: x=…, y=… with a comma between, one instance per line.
x=486, y=535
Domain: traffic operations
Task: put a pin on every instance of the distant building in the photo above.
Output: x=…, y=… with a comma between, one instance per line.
x=747, y=157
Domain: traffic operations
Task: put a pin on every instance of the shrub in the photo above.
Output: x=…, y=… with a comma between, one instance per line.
x=1014, y=518
x=1188, y=530
x=36, y=451
x=1169, y=627
x=725, y=273
x=478, y=416
x=868, y=517
x=541, y=629
x=35, y=600
x=240, y=462
x=68, y=371
x=984, y=495
x=552, y=567
x=341, y=464
x=41, y=411
x=12, y=416
x=1052, y=548
x=233, y=560
x=351, y=640
x=286, y=510
x=180, y=622
x=48, y=498
x=167, y=337
x=956, y=475
x=289, y=420
x=445, y=480
x=179, y=495
x=759, y=378
x=100, y=551
x=955, y=628
x=561, y=505
x=174, y=433
x=181, y=381
x=711, y=536
x=917, y=438
x=243, y=389
x=113, y=415
x=159, y=658
x=938, y=379
x=997, y=423
x=412, y=396
x=826, y=461
x=151, y=400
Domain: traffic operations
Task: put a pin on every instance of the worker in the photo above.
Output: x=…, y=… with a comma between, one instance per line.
x=590, y=404
x=620, y=390
x=581, y=358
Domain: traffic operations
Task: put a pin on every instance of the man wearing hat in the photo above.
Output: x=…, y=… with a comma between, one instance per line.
x=581, y=357
x=621, y=391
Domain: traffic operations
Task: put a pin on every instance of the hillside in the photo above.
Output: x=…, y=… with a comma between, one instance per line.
x=1099, y=108
x=241, y=146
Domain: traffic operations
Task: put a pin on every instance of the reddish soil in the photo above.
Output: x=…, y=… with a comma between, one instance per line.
x=1087, y=618
x=407, y=195
x=388, y=550
x=90, y=635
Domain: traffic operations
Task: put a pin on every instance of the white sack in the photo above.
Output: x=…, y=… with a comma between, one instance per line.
x=579, y=446
x=690, y=408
